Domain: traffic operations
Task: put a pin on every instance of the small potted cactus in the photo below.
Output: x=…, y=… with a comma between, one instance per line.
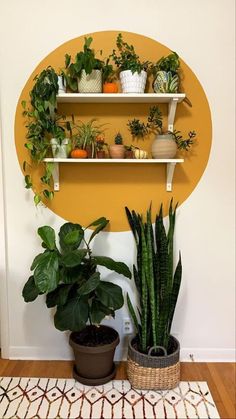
x=117, y=150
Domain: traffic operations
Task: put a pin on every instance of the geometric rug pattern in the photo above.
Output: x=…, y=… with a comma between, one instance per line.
x=53, y=398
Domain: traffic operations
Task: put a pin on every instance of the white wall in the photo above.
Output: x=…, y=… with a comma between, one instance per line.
x=203, y=34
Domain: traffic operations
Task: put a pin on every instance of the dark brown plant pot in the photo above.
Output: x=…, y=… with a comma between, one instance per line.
x=94, y=364
x=101, y=154
x=129, y=154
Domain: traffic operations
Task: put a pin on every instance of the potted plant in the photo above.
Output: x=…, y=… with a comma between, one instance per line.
x=85, y=136
x=109, y=78
x=86, y=68
x=165, y=72
x=153, y=354
x=42, y=122
x=70, y=278
x=133, y=71
x=129, y=152
x=117, y=150
x=101, y=147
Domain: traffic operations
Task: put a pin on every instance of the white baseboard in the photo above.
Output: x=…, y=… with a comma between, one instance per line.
x=65, y=353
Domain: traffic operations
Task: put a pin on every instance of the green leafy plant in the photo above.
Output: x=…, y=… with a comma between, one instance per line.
x=86, y=134
x=84, y=60
x=170, y=63
x=118, y=139
x=126, y=58
x=42, y=123
x=157, y=282
x=140, y=129
x=70, y=278
x=183, y=143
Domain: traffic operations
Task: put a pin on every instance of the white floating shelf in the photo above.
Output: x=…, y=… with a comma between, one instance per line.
x=170, y=166
x=171, y=98
x=120, y=97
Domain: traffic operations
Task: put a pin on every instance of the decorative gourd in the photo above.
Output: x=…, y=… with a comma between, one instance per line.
x=110, y=87
x=79, y=153
x=140, y=154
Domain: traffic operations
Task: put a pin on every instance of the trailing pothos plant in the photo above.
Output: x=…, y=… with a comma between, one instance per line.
x=43, y=123
x=70, y=278
x=157, y=281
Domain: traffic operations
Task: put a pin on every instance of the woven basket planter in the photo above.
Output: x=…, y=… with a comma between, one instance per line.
x=153, y=373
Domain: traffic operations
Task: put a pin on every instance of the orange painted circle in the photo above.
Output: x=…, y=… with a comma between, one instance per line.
x=89, y=191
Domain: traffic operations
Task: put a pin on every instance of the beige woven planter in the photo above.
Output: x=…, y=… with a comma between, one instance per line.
x=90, y=83
x=153, y=373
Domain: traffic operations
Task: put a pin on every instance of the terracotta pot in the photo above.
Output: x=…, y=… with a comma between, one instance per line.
x=94, y=364
x=117, y=151
x=129, y=154
x=101, y=154
x=164, y=147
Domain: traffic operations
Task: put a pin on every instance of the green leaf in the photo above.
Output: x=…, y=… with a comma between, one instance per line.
x=110, y=295
x=74, y=258
x=109, y=263
x=40, y=257
x=30, y=291
x=72, y=316
x=37, y=199
x=70, y=236
x=58, y=296
x=46, y=274
x=98, y=311
x=101, y=223
x=28, y=182
x=47, y=234
x=90, y=285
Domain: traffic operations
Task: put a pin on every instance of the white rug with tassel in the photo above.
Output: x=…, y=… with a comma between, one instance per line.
x=45, y=398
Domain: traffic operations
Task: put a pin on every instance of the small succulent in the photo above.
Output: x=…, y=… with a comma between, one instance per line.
x=118, y=139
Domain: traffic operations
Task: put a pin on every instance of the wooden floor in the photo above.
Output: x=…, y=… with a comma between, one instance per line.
x=219, y=376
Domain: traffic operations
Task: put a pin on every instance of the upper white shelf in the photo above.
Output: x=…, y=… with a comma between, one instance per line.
x=171, y=98
x=120, y=97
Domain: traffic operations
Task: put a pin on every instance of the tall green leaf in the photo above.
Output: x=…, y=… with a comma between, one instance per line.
x=70, y=236
x=101, y=223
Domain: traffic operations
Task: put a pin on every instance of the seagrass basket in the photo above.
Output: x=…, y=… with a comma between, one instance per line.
x=153, y=372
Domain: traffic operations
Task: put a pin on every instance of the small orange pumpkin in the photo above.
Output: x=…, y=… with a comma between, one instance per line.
x=110, y=87
x=79, y=153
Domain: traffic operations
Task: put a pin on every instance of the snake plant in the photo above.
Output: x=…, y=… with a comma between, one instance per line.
x=156, y=280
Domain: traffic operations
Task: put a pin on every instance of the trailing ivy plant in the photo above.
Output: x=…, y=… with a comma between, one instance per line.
x=69, y=276
x=157, y=281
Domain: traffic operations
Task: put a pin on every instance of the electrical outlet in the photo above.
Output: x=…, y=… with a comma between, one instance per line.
x=127, y=326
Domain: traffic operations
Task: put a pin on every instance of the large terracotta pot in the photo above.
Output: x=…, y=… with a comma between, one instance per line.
x=117, y=151
x=94, y=364
x=164, y=147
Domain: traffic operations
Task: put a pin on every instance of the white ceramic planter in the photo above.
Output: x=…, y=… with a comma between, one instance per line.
x=90, y=83
x=61, y=85
x=133, y=82
x=164, y=147
x=59, y=151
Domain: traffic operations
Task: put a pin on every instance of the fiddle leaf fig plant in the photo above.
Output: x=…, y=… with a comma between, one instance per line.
x=69, y=276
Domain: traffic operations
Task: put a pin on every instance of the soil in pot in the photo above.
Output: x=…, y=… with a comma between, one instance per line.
x=94, y=349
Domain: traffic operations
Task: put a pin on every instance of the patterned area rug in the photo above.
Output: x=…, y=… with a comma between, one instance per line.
x=66, y=398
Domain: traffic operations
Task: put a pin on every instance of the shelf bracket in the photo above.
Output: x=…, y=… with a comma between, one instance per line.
x=55, y=175
x=171, y=113
x=170, y=168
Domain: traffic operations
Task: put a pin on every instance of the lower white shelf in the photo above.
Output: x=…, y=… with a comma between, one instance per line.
x=170, y=166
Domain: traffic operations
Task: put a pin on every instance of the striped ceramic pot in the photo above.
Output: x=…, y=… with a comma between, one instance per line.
x=165, y=82
x=164, y=147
